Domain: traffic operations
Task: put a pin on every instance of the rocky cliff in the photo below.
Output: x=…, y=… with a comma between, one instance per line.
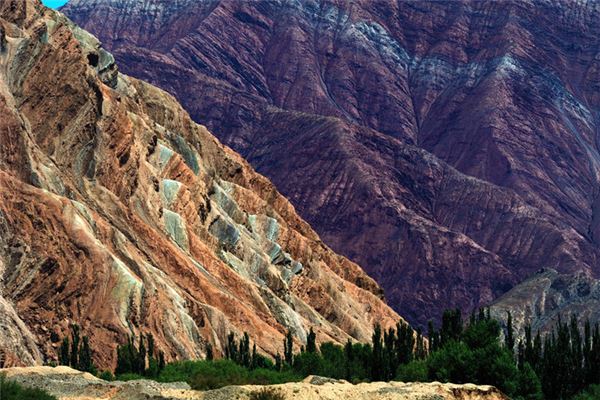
x=450, y=148
x=68, y=384
x=547, y=296
x=120, y=214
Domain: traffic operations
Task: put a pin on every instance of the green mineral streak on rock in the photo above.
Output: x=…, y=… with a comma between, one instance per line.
x=225, y=231
x=272, y=229
x=126, y=288
x=164, y=155
x=106, y=60
x=236, y=264
x=170, y=191
x=227, y=203
x=188, y=154
x=175, y=226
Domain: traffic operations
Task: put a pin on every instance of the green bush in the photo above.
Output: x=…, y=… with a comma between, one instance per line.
x=263, y=376
x=107, y=376
x=267, y=394
x=207, y=375
x=129, y=377
x=414, y=371
x=591, y=393
x=309, y=364
x=13, y=391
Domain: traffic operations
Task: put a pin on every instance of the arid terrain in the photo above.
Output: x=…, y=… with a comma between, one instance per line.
x=449, y=148
x=68, y=384
x=120, y=214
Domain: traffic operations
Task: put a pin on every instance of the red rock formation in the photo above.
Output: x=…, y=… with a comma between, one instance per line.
x=450, y=148
x=119, y=213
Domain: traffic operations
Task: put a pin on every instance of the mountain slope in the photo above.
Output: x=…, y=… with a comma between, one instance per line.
x=447, y=147
x=548, y=296
x=119, y=213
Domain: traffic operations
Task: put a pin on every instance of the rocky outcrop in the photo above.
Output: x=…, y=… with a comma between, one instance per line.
x=447, y=147
x=66, y=383
x=547, y=296
x=120, y=214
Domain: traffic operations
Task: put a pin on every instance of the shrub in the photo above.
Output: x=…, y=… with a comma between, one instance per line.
x=308, y=364
x=206, y=375
x=129, y=377
x=107, y=376
x=267, y=394
x=591, y=393
x=13, y=391
x=263, y=376
x=414, y=371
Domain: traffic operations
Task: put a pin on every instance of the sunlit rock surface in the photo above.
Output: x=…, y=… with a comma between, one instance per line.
x=119, y=213
x=68, y=384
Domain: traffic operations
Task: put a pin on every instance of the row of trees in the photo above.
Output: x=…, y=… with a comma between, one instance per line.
x=76, y=351
x=354, y=361
x=566, y=360
x=555, y=366
x=143, y=359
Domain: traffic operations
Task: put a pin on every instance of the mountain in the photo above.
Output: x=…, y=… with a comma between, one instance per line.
x=449, y=148
x=120, y=214
x=547, y=296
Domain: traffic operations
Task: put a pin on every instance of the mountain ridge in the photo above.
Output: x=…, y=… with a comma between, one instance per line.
x=502, y=92
x=120, y=214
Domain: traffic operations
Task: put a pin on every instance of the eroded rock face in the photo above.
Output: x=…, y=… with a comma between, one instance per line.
x=450, y=148
x=547, y=296
x=119, y=213
x=66, y=383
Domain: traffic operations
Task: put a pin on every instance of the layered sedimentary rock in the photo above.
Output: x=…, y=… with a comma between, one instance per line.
x=548, y=296
x=450, y=148
x=120, y=214
x=68, y=384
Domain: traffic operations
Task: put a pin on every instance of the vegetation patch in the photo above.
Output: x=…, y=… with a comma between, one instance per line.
x=13, y=391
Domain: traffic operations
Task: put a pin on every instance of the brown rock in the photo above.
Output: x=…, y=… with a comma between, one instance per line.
x=119, y=213
x=450, y=148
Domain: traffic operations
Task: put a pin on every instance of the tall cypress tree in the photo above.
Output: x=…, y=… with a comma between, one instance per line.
x=288, y=348
x=245, y=358
x=231, y=349
x=64, y=357
x=510, y=339
x=209, y=352
x=311, y=342
x=348, y=359
x=75, y=345
x=141, y=359
x=85, y=357
x=377, y=361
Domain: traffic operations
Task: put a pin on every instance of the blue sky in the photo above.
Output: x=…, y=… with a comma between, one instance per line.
x=54, y=3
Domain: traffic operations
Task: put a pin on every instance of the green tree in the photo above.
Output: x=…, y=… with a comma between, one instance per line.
x=64, y=357
x=231, y=348
x=510, y=339
x=311, y=342
x=377, y=360
x=414, y=371
x=209, y=352
x=75, y=345
x=85, y=357
x=529, y=386
x=288, y=348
